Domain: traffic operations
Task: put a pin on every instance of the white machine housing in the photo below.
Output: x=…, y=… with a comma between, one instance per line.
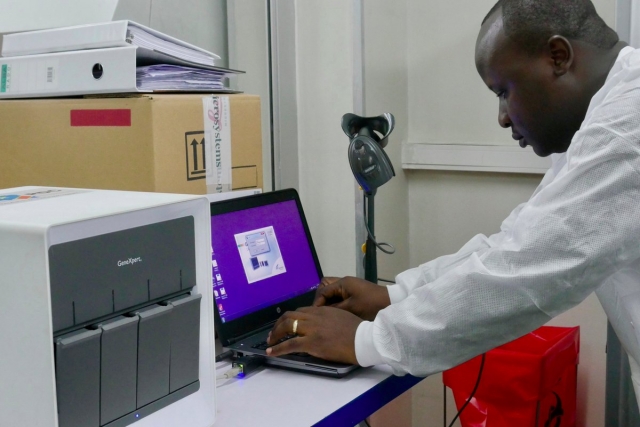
x=29, y=226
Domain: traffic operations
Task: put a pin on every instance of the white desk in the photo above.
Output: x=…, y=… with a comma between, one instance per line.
x=275, y=397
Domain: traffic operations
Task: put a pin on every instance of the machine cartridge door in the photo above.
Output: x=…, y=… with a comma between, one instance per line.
x=78, y=378
x=185, y=341
x=154, y=353
x=119, y=364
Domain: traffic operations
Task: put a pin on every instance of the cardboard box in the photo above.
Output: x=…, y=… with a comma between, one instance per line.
x=140, y=143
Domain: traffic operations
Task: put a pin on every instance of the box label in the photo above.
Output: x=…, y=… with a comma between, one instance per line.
x=194, y=145
x=36, y=194
x=3, y=78
x=217, y=143
x=100, y=118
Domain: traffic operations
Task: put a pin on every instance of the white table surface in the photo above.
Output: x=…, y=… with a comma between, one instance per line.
x=276, y=397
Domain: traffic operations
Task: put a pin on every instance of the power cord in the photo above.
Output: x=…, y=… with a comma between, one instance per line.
x=475, y=388
x=380, y=245
x=233, y=372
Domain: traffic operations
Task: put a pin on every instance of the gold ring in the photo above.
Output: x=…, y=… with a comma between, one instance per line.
x=295, y=326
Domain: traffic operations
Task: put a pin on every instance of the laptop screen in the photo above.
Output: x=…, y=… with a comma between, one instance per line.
x=260, y=257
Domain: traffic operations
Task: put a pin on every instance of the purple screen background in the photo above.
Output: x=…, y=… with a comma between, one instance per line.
x=241, y=297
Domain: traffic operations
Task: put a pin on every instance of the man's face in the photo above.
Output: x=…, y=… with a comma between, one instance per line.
x=533, y=102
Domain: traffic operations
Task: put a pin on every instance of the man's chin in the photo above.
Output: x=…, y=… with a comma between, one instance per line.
x=551, y=145
x=539, y=150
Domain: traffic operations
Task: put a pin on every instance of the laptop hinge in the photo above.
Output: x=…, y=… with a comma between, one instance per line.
x=255, y=331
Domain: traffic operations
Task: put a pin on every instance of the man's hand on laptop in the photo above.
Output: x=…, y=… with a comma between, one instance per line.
x=325, y=332
x=362, y=298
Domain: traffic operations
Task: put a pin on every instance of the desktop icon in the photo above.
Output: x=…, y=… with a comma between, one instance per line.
x=216, y=293
x=222, y=291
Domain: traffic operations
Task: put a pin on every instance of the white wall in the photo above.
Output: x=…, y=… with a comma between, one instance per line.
x=628, y=21
x=249, y=51
x=324, y=48
x=634, y=30
x=448, y=104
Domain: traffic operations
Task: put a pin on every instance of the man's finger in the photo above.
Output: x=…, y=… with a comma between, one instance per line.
x=283, y=326
x=294, y=345
x=326, y=281
x=342, y=305
x=319, y=301
x=327, y=293
x=321, y=296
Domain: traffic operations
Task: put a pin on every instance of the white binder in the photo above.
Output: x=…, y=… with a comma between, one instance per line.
x=104, y=35
x=83, y=72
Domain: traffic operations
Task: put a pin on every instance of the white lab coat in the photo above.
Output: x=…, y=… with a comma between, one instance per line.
x=578, y=233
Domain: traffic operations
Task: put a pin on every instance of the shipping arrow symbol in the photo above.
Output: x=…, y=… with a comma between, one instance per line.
x=194, y=145
x=204, y=163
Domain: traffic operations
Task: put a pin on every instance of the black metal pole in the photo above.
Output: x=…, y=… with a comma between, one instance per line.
x=370, y=261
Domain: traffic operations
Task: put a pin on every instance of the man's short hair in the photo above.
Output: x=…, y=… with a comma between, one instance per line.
x=531, y=23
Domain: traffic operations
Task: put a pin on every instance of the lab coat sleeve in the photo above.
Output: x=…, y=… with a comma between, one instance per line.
x=409, y=280
x=563, y=243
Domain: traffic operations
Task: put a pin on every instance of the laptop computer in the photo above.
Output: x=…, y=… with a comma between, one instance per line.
x=264, y=264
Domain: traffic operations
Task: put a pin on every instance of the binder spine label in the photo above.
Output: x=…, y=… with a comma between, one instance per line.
x=28, y=75
x=3, y=78
x=217, y=143
x=49, y=70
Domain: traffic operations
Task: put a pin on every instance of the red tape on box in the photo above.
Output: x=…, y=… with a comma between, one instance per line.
x=101, y=118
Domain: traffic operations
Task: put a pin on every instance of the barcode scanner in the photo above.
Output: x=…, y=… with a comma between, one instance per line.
x=368, y=136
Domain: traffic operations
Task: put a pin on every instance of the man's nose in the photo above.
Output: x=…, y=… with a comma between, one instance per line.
x=503, y=117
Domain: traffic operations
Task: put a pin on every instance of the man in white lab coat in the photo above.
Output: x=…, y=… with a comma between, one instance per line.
x=569, y=88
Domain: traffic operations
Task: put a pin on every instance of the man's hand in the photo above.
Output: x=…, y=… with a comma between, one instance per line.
x=325, y=332
x=362, y=298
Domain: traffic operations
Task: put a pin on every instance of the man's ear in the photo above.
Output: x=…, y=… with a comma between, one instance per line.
x=561, y=54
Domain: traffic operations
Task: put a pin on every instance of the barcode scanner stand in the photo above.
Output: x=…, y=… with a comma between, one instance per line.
x=371, y=168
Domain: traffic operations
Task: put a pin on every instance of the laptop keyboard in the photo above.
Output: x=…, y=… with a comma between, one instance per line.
x=263, y=345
